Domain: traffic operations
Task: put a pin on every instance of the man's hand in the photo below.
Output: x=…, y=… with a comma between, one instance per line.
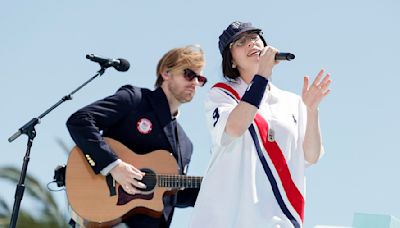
x=128, y=177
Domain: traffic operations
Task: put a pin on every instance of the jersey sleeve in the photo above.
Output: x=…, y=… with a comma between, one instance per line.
x=218, y=106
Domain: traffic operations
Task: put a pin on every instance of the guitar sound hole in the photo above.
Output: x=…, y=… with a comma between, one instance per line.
x=149, y=179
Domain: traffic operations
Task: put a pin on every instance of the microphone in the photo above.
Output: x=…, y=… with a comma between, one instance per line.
x=118, y=64
x=284, y=56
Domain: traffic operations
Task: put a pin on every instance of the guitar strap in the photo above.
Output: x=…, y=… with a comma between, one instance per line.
x=172, y=199
x=178, y=148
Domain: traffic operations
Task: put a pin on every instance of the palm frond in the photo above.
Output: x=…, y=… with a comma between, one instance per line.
x=34, y=189
x=4, y=209
x=63, y=145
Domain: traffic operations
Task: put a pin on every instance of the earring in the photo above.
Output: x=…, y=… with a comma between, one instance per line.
x=233, y=65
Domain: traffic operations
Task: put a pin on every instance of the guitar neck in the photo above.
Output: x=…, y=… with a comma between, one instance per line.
x=178, y=181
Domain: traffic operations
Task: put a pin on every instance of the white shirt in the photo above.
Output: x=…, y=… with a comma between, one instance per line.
x=236, y=191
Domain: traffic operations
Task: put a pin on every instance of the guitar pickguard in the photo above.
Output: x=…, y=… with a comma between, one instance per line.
x=124, y=197
x=149, y=180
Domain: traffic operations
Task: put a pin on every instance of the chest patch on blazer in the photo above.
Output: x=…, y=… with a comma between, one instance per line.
x=144, y=126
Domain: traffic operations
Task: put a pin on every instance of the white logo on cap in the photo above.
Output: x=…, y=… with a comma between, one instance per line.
x=236, y=24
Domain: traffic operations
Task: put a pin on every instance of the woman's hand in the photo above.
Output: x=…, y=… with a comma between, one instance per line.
x=267, y=61
x=312, y=95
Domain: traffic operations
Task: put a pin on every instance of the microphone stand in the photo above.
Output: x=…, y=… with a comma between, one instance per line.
x=29, y=130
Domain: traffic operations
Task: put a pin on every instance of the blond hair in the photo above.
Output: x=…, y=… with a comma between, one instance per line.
x=191, y=56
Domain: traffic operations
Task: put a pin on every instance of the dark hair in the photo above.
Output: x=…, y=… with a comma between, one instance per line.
x=230, y=73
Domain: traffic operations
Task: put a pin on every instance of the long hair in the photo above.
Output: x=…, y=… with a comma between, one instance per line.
x=230, y=73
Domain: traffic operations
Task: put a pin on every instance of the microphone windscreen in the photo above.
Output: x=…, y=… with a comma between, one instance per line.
x=123, y=65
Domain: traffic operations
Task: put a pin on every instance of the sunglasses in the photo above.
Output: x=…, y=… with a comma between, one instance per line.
x=246, y=38
x=190, y=75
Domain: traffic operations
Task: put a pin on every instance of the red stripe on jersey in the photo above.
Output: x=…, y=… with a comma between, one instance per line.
x=278, y=159
x=228, y=88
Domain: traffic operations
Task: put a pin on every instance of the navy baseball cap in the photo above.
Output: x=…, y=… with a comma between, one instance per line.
x=233, y=31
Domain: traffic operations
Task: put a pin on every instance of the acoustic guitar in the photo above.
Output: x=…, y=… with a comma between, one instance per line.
x=100, y=200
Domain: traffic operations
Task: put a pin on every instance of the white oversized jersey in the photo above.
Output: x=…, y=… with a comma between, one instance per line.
x=247, y=185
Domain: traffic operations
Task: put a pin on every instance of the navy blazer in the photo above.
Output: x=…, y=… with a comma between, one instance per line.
x=141, y=120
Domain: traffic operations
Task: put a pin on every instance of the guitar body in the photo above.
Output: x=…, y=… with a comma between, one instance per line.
x=89, y=194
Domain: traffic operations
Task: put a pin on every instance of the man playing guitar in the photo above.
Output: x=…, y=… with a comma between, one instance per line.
x=143, y=121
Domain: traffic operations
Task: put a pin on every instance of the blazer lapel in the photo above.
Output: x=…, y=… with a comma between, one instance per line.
x=159, y=103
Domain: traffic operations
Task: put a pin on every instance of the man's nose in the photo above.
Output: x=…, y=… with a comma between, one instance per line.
x=196, y=81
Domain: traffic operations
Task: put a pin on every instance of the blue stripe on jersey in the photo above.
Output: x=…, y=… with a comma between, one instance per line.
x=229, y=94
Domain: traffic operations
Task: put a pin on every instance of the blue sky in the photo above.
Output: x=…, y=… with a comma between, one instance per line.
x=42, y=55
